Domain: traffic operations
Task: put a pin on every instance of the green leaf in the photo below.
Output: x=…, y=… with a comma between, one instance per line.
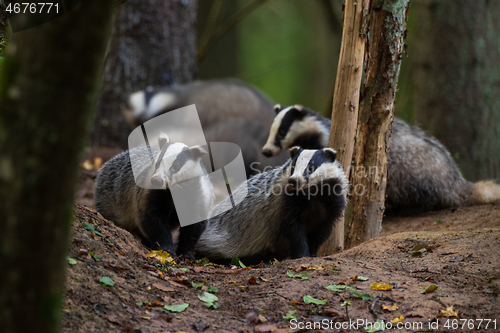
x=139, y=303
x=438, y=222
x=494, y=278
x=185, y=269
x=71, y=261
x=362, y=278
x=309, y=299
x=90, y=227
x=176, y=307
x=212, y=289
x=429, y=289
x=340, y=287
x=209, y=299
x=107, y=281
x=291, y=315
x=303, y=276
x=204, y=261
x=197, y=285
x=346, y=303
x=363, y=296
x=378, y=326
x=94, y=256
x=237, y=262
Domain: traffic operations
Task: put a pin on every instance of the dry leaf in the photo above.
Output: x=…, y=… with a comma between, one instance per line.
x=397, y=319
x=97, y=163
x=162, y=287
x=234, y=282
x=391, y=308
x=113, y=319
x=87, y=165
x=252, y=280
x=331, y=312
x=449, y=312
x=380, y=286
x=175, y=284
x=162, y=256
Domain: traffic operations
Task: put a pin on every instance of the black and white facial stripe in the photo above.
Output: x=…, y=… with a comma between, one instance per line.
x=176, y=163
x=310, y=166
x=295, y=126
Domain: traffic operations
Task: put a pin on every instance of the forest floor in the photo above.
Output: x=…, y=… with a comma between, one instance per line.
x=460, y=255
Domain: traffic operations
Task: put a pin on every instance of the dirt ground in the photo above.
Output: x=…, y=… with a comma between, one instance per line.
x=460, y=256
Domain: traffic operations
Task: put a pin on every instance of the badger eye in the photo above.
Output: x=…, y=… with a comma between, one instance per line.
x=310, y=169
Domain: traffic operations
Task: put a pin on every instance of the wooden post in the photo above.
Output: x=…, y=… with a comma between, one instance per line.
x=346, y=98
x=376, y=114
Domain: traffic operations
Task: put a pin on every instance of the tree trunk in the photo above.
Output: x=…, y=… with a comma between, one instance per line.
x=47, y=94
x=457, y=71
x=369, y=175
x=153, y=43
x=346, y=99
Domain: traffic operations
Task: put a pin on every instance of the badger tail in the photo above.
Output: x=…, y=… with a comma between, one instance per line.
x=485, y=192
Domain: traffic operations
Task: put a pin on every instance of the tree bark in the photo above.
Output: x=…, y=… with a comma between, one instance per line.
x=346, y=99
x=376, y=115
x=153, y=43
x=47, y=94
x=457, y=67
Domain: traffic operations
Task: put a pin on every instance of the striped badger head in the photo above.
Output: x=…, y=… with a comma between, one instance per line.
x=295, y=126
x=315, y=167
x=146, y=104
x=176, y=163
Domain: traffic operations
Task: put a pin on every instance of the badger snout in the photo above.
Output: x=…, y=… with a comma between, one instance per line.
x=267, y=152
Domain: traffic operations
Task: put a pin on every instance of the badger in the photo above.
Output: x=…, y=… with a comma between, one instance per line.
x=421, y=172
x=287, y=212
x=150, y=212
x=229, y=111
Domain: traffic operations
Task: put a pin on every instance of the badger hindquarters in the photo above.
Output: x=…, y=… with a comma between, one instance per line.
x=150, y=213
x=288, y=212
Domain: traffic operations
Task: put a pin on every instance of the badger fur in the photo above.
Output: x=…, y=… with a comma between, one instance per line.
x=421, y=173
x=229, y=111
x=150, y=213
x=288, y=211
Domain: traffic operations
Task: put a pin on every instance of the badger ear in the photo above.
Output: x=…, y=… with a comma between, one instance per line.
x=294, y=151
x=330, y=152
x=277, y=108
x=197, y=152
x=163, y=140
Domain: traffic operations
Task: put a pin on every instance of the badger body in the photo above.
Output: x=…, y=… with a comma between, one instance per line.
x=287, y=212
x=229, y=111
x=421, y=173
x=150, y=212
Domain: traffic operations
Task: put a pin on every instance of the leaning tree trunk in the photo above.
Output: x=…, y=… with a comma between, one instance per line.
x=456, y=50
x=47, y=94
x=153, y=43
x=376, y=114
x=346, y=98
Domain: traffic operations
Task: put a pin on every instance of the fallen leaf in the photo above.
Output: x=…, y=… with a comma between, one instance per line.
x=291, y=315
x=177, y=307
x=309, y=299
x=363, y=296
x=183, y=280
x=380, y=286
x=209, y=299
x=391, y=308
x=113, y=319
x=97, y=163
x=87, y=165
x=331, y=312
x=200, y=326
x=237, y=262
x=266, y=328
x=107, y=281
x=397, y=319
x=339, y=287
x=233, y=282
x=175, y=284
x=304, y=275
x=362, y=278
x=162, y=256
x=162, y=287
x=252, y=280
x=71, y=261
x=449, y=312
x=378, y=326
x=429, y=289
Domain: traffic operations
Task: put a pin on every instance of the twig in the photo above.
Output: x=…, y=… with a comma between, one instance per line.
x=225, y=27
x=372, y=307
x=211, y=21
